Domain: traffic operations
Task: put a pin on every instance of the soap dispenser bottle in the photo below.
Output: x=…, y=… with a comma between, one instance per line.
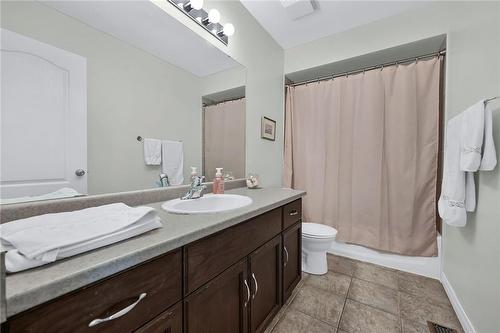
x=218, y=186
x=194, y=172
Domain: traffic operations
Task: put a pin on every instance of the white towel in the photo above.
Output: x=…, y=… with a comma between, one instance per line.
x=173, y=161
x=152, y=151
x=64, y=192
x=469, y=147
x=15, y=261
x=42, y=237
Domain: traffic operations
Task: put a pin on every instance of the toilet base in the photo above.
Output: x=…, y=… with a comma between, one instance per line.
x=314, y=262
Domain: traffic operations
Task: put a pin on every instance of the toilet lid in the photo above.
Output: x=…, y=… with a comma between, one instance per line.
x=315, y=230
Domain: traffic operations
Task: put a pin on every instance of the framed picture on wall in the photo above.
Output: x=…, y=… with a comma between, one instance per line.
x=268, y=129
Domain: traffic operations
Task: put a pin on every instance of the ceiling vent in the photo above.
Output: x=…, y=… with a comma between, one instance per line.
x=297, y=8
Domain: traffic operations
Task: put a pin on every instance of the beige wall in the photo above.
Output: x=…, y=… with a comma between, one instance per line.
x=222, y=81
x=472, y=254
x=129, y=92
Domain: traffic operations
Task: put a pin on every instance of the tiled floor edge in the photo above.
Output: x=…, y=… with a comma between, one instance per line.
x=457, y=306
x=425, y=266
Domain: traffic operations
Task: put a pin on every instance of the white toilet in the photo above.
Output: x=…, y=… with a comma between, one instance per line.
x=316, y=240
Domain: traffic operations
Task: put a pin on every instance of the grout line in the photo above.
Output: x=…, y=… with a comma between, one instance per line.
x=311, y=316
x=287, y=304
x=345, y=302
x=399, y=310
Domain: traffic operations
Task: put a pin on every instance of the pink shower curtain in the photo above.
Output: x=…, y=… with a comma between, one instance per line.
x=365, y=148
x=224, y=138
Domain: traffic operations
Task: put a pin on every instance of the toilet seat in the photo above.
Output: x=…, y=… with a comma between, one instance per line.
x=318, y=231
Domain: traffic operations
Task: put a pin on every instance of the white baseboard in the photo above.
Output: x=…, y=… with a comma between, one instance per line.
x=426, y=266
x=459, y=310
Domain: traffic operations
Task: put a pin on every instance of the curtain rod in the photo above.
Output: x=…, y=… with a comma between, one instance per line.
x=224, y=101
x=381, y=66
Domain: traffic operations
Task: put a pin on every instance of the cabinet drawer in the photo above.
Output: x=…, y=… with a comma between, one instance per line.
x=292, y=213
x=208, y=257
x=160, y=279
x=169, y=321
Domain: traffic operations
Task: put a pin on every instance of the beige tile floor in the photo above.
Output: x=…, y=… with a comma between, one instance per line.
x=359, y=297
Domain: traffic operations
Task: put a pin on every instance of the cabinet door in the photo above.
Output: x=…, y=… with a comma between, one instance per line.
x=169, y=321
x=292, y=259
x=221, y=305
x=264, y=277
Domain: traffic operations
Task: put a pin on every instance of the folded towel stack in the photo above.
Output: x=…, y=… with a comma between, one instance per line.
x=469, y=147
x=43, y=239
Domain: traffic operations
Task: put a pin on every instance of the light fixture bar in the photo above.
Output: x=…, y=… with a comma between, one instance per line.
x=202, y=18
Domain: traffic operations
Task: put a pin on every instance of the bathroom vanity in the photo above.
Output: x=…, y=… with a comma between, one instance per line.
x=219, y=273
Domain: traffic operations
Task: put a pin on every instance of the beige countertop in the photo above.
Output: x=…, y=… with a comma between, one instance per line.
x=27, y=289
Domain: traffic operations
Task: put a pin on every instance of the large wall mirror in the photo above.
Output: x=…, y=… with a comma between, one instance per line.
x=101, y=97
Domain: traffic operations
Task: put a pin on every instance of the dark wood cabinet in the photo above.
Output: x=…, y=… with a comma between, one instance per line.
x=169, y=321
x=292, y=259
x=208, y=257
x=221, y=305
x=233, y=281
x=292, y=213
x=265, y=280
x=152, y=287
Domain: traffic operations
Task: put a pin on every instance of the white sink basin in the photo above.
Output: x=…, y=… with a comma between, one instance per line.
x=209, y=203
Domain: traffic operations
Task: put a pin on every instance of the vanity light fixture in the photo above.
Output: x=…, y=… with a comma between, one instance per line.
x=193, y=4
x=209, y=21
x=228, y=29
x=213, y=16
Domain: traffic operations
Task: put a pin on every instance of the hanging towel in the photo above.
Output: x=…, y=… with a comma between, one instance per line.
x=476, y=138
x=152, y=151
x=173, y=161
x=469, y=147
x=42, y=237
x=451, y=204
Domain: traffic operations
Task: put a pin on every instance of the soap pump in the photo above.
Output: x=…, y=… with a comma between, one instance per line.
x=218, y=185
x=194, y=172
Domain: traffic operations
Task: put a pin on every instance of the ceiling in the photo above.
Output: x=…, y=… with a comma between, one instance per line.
x=328, y=17
x=147, y=27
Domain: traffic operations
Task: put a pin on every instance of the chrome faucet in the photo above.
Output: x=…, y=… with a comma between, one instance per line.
x=196, y=189
x=164, y=181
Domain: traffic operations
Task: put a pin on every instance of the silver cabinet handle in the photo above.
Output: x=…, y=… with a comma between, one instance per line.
x=248, y=293
x=120, y=313
x=256, y=286
x=286, y=255
x=293, y=213
x=79, y=172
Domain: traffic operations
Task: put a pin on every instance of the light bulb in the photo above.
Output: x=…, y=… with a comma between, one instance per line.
x=228, y=29
x=196, y=4
x=213, y=16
